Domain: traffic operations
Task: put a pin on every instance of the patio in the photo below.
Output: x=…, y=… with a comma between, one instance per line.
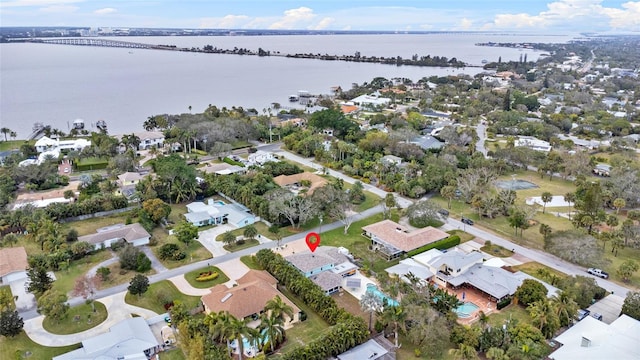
x=480, y=299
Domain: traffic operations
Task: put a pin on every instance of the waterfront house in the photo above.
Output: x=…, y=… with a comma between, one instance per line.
x=326, y=267
x=394, y=240
x=248, y=298
x=133, y=234
x=129, y=339
x=45, y=144
x=13, y=264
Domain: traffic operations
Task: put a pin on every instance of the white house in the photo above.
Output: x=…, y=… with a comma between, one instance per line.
x=149, y=139
x=218, y=212
x=133, y=234
x=591, y=339
x=533, y=143
x=46, y=144
x=260, y=157
x=129, y=339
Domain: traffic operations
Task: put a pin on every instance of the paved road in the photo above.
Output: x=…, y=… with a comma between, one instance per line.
x=536, y=255
x=481, y=130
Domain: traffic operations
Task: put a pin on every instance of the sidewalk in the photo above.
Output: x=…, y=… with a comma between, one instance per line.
x=117, y=309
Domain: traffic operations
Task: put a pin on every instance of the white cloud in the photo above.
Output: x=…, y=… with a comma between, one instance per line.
x=466, y=24
x=46, y=3
x=323, y=24
x=59, y=9
x=227, y=22
x=105, y=11
x=293, y=17
x=577, y=14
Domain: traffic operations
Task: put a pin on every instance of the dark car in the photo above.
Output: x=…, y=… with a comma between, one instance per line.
x=443, y=212
x=583, y=314
x=467, y=221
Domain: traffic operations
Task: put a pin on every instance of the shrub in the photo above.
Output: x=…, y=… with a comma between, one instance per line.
x=443, y=244
x=232, y=162
x=504, y=302
x=207, y=276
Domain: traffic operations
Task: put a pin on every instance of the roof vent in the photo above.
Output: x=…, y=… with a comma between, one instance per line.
x=585, y=342
x=226, y=297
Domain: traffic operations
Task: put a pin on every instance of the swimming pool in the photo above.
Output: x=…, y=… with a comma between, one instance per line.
x=219, y=203
x=250, y=348
x=466, y=310
x=382, y=296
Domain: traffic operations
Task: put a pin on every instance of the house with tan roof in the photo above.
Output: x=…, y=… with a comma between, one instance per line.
x=326, y=266
x=13, y=264
x=133, y=234
x=295, y=182
x=248, y=298
x=394, y=240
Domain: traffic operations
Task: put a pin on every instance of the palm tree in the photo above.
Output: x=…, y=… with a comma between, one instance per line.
x=619, y=203
x=279, y=308
x=370, y=303
x=275, y=230
x=495, y=353
x=394, y=315
x=570, y=198
x=546, y=198
x=273, y=326
x=250, y=232
x=228, y=238
x=5, y=131
x=448, y=192
x=219, y=327
x=565, y=307
x=236, y=329
x=543, y=315
x=464, y=352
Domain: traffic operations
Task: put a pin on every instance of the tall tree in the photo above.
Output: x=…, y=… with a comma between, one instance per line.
x=627, y=269
x=138, y=285
x=186, y=232
x=11, y=323
x=272, y=325
x=53, y=304
x=370, y=303
x=39, y=280
x=546, y=198
x=279, y=308
x=250, y=232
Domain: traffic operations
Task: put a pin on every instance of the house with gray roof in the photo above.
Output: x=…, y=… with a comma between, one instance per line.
x=372, y=349
x=129, y=339
x=327, y=266
x=133, y=234
x=216, y=212
x=427, y=142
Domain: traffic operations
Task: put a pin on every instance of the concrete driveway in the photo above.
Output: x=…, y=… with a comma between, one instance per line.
x=25, y=301
x=208, y=239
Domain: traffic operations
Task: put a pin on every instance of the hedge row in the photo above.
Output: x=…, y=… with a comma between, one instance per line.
x=504, y=302
x=208, y=277
x=232, y=162
x=348, y=330
x=443, y=244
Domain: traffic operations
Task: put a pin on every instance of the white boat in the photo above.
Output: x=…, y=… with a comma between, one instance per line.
x=293, y=98
x=78, y=124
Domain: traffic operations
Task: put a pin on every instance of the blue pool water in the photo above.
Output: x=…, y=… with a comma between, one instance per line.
x=219, y=202
x=382, y=296
x=246, y=346
x=466, y=310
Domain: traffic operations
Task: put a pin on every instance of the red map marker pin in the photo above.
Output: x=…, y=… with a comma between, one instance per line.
x=313, y=240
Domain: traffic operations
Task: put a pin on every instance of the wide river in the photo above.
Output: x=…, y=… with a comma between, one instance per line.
x=56, y=84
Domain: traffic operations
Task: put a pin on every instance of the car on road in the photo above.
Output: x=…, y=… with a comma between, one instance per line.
x=443, y=212
x=467, y=221
x=598, y=272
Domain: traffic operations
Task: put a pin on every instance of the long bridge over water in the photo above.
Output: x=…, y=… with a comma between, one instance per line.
x=98, y=42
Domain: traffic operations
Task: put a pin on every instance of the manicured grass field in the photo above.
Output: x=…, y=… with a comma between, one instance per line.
x=17, y=347
x=464, y=236
x=79, y=318
x=121, y=276
x=13, y=144
x=66, y=279
x=539, y=271
x=89, y=226
x=191, y=278
x=496, y=250
x=160, y=293
x=177, y=210
x=303, y=332
x=511, y=312
x=195, y=250
x=251, y=262
x=175, y=354
x=237, y=247
x=262, y=229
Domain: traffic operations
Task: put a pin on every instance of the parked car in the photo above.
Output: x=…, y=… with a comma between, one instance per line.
x=598, y=272
x=467, y=221
x=443, y=212
x=583, y=314
x=596, y=316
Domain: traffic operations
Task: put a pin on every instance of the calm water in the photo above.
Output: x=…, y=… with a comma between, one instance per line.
x=57, y=84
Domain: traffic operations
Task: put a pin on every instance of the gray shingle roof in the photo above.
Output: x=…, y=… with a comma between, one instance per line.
x=129, y=233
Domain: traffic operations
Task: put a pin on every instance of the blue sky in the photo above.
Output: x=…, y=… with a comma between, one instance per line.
x=561, y=16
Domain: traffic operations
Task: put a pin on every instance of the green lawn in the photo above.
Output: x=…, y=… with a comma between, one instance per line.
x=66, y=279
x=175, y=354
x=191, y=278
x=623, y=255
x=89, y=226
x=16, y=347
x=13, y=144
x=556, y=186
x=177, y=210
x=251, y=262
x=5, y=291
x=160, y=293
x=195, y=250
x=496, y=250
x=511, y=312
x=261, y=227
x=303, y=332
x=245, y=245
x=79, y=318
x=464, y=236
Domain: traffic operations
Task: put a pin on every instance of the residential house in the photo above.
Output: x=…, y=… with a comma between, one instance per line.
x=391, y=160
x=127, y=183
x=533, y=143
x=133, y=234
x=248, y=298
x=427, y=142
x=222, y=169
x=218, y=212
x=13, y=264
x=150, y=139
x=130, y=339
x=591, y=339
x=295, y=182
x=45, y=144
x=326, y=267
x=378, y=348
x=394, y=240
x=370, y=101
x=260, y=157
